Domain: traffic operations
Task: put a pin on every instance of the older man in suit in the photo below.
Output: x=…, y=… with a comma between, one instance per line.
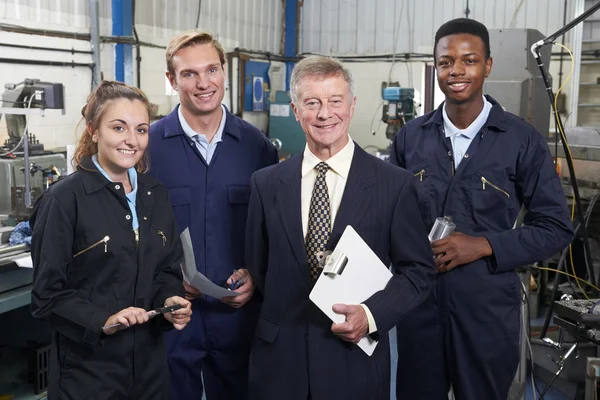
x=301, y=207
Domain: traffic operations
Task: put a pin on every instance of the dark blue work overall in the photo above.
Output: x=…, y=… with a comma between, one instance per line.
x=508, y=165
x=212, y=201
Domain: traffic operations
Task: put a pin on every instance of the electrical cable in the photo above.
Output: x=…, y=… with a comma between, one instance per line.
x=373, y=119
x=548, y=386
x=24, y=130
x=562, y=260
x=535, y=49
x=395, y=35
x=513, y=21
x=571, y=275
x=570, y=155
x=571, y=254
x=198, y=16
x=410, y=43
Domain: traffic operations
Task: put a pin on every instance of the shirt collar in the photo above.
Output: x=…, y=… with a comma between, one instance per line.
x=191, y=133
x=130, y=171
x=450, y=129
x=340, y=162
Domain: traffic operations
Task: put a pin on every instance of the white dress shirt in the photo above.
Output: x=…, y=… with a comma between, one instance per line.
x=336, y=178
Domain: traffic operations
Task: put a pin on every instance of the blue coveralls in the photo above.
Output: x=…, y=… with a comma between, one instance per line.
x=212, y=201
x=508, y=165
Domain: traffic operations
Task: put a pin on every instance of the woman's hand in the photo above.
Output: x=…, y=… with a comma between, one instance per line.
x=127, y=317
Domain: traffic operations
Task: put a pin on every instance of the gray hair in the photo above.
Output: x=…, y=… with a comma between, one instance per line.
x=321, y=67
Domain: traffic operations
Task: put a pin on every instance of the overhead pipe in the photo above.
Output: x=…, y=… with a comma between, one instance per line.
x=21, y=46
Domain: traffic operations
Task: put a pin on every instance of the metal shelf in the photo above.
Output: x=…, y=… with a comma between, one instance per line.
x=15, y=298
x=589, y=84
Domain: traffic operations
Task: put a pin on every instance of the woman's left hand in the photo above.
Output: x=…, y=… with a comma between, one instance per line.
x=179, y=318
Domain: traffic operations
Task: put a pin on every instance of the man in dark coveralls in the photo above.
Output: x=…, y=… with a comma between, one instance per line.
x=205, y=156
x=478, y=164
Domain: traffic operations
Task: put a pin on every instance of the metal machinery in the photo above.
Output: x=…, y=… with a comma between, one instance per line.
x=517, y=84
x=21, y=189
x=515, y=81
x=26, y=169
x=284, y=130
x=398, y=107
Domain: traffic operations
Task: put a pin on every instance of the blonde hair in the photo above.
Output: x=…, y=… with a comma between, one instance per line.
x=192, y=38
x=320, y=67
x=93, y=111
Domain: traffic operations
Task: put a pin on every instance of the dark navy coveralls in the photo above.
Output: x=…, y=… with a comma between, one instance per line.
x=212, y=201
x=508, y=165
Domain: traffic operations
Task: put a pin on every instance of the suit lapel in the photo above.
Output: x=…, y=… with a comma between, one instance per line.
x=357, y=196
x=290, y=211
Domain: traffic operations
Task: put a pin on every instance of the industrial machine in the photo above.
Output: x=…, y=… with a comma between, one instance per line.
x=398, y=107
x=43, y=170
x=515, y=81
x=18, y=100
x=26, y=169
x=284, y=130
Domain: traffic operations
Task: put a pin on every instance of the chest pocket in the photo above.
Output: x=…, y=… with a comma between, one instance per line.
x=491, y=199
x=423, y=182
x=90, y=254
x=158, y=237
x=180, y=199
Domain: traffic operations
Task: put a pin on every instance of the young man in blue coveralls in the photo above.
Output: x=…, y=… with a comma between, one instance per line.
x=205, y=156
x=478, y=164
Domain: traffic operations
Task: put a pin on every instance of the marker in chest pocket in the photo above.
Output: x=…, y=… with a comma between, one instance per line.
x=491, y=198
x=162, y=236
x=420, y=174
x=485, y=182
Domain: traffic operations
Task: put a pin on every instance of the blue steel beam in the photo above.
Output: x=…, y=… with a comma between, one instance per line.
x=122, y=25
x=290, y=36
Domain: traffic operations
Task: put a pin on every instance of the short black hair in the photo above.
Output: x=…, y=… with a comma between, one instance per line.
x=464, y=25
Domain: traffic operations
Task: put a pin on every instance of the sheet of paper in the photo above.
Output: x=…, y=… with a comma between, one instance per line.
x=284, y=110
x=24, y=261
x=195, y=278
x=275, y=110
x=363, y=274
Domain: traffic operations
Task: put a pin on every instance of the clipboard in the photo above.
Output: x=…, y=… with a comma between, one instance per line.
x=352, y=274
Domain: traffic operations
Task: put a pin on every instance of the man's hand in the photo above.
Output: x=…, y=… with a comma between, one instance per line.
x=356, y=325
x=246, y=288
x=191, y=293
x=179, y=318
x=459, y=249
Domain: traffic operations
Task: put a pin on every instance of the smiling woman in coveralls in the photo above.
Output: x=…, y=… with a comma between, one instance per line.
x=105, y=250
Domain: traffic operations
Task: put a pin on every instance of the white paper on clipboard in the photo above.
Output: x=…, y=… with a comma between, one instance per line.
x=362, y=275
x=195, y=278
